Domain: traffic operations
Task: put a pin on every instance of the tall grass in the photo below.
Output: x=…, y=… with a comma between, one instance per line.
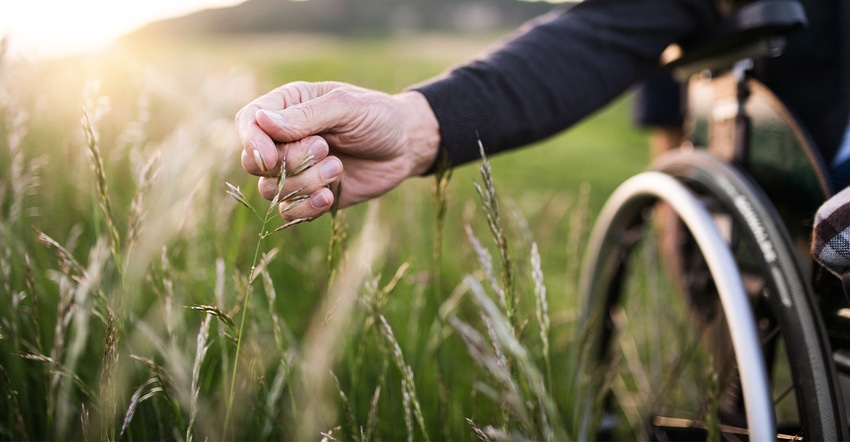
x=144, y=302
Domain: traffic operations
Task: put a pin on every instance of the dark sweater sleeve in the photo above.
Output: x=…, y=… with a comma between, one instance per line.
x=555, y=71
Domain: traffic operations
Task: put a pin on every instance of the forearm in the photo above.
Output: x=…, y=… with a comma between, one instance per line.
x=554, y=73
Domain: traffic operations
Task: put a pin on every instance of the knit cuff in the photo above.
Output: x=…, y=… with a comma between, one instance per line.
x=463, y=118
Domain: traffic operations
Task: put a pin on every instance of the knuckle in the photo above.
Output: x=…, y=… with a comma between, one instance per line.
x=343, y=96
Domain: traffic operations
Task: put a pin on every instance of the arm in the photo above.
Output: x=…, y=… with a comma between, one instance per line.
x=556, y=71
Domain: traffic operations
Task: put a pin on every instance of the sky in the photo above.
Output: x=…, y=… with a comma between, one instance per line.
x=48, y=28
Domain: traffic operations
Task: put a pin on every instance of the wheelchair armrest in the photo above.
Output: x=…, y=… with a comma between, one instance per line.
x=756, y=29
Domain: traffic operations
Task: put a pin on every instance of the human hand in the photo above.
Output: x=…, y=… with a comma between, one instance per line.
x=327, y=132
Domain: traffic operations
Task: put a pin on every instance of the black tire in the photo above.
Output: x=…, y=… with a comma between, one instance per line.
x=795, y=347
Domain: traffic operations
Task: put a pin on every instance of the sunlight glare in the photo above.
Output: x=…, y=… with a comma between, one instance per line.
x=48, y=28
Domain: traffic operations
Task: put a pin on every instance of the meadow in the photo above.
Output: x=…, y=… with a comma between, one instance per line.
x=142, y=300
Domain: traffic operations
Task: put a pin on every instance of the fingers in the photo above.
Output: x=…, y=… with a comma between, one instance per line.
x=313, y=178
x=324, y=173
x=259, y=153
x=336, y=109
x=259, y=147
x=308, y=207
x=297, y=156
x=306, y=189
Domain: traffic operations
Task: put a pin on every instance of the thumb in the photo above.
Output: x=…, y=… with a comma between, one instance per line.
x=322, y=114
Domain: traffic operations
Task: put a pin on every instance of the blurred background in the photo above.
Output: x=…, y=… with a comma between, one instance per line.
x=141, y=301
x=49, y=28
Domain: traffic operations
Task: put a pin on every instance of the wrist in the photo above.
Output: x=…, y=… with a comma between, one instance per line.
x=422, y=137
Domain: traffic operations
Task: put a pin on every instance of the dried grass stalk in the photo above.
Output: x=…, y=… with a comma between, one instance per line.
x=490, y=201
x=93, y=144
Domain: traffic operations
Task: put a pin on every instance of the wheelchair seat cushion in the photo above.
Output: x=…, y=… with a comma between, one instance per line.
x=831, y=234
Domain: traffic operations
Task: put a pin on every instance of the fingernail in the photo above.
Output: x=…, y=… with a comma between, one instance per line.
x=276, y=118
x=319, y=201
x=318, y=148
x=261, y=163
x=330, y=169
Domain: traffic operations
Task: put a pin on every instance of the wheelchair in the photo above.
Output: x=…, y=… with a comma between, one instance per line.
x=705, y=316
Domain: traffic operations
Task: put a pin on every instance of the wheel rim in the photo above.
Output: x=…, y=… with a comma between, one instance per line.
x=628, y=203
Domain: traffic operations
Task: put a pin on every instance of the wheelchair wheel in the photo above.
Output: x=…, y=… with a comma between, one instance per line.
x=701, y=325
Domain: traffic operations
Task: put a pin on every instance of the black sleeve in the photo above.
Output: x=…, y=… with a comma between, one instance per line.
x=555, y=71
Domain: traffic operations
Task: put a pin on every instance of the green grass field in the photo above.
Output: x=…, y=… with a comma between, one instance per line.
x=135, y=307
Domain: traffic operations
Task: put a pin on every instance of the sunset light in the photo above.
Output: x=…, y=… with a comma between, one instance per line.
x=47, y=28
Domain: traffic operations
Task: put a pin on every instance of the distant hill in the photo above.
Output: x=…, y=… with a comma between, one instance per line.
x=352, y=17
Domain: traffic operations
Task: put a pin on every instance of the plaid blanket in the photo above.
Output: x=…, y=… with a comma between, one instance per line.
x=831, y=235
